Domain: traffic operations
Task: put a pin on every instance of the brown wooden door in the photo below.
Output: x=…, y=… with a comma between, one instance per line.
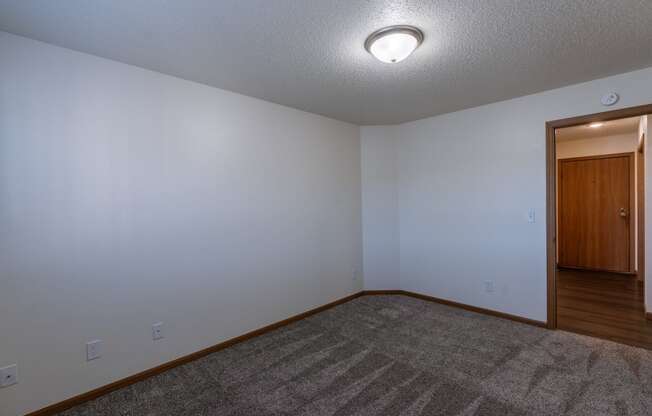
x=595, y=213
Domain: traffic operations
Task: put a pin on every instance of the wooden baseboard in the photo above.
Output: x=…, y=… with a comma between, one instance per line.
x=476, y=309
x=101, y=391
x=382, y=292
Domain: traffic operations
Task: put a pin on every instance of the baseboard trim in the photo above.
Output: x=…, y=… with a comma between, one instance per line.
x=476, y=309
x=382, y=292
x=101, y=391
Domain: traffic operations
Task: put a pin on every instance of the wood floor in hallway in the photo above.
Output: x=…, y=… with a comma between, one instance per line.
x=603, y=305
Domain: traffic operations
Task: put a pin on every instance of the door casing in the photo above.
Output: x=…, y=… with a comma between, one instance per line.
x=551, y=191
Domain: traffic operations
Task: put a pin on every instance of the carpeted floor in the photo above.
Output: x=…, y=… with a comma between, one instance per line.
x=394, y=355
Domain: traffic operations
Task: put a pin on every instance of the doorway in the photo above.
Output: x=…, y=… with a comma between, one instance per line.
x=596, y=244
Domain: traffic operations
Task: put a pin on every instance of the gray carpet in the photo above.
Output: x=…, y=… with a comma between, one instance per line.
x=394, y=355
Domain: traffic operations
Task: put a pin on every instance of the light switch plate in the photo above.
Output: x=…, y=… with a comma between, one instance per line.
x=93, y=350
x=8, y=375
x=531, y=218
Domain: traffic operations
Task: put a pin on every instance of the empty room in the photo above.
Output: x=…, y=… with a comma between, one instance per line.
x=325, y=208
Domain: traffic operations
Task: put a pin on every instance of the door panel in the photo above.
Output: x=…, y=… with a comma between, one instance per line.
x=595, y=212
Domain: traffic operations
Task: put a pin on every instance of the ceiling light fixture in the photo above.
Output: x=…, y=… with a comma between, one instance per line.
x=393, y=44
x=596, y=125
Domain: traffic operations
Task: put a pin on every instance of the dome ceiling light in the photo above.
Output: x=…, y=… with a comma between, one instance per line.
x=393, y=44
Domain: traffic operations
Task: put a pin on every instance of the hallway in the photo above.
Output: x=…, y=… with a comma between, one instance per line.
x=603, y=305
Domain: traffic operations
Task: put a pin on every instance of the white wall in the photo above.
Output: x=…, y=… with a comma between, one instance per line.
x=643, y=129
x=466, y=181
x=380, y=208
x=129, y=197
x=619, y=143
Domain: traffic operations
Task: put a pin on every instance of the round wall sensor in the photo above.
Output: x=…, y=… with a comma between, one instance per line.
x=610, y=99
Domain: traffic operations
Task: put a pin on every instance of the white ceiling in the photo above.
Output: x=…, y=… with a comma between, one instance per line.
x=309, y=54
x=608, y=128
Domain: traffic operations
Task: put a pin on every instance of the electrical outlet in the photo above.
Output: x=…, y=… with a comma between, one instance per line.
x=8, y=375
x=157, y=331
x=489, y=286
x=93, y=350
x=531, y=216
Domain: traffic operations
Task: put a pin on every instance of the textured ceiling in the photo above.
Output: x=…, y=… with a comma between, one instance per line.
x=608, y=128
x=309, y=54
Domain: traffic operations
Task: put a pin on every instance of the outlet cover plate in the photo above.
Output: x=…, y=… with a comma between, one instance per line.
x=157, y=331
x=8, y=375
x=93, y=350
